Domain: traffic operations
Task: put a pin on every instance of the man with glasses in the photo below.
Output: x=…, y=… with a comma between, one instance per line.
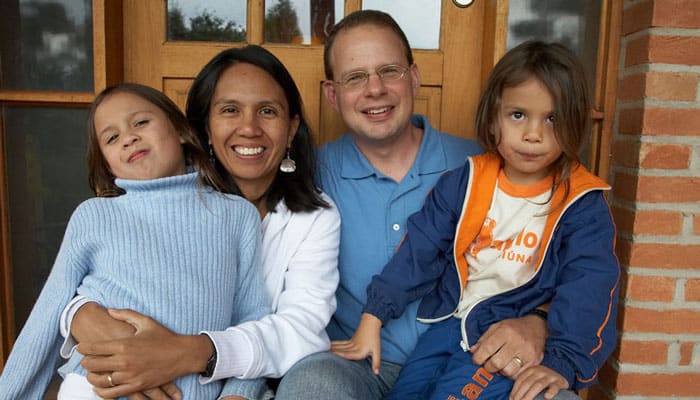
x=378, y=174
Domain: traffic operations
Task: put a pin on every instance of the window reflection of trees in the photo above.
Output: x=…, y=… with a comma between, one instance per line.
x=282, y=24
x=203, y=27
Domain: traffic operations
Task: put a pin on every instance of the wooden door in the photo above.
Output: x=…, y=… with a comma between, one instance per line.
x=451, y=75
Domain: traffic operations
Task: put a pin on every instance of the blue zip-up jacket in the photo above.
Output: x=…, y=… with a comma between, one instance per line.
x=577, y=270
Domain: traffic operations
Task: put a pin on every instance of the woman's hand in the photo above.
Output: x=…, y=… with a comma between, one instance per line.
x=152, y=357
x=365, y=342
x=512, y=345
x=93, y=323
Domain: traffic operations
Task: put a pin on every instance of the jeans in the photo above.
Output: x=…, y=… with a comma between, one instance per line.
x=324, y=376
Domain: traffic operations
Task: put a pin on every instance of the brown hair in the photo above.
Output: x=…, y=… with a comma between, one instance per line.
x=361, y=18
x=562, y=74
x=100, y=177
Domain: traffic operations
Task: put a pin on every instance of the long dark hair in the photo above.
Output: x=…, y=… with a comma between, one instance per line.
x=297, y=188
x=101, y=179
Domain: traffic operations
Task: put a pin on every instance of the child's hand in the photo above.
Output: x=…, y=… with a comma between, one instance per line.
x=532, y=381
x=365, y=342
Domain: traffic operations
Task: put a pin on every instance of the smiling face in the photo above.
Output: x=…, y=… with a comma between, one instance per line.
x=137, y=139
x=250, y=127
x=378, y=111
x=525, y=132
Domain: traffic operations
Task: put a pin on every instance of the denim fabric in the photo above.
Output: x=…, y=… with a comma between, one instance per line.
x=324, y=376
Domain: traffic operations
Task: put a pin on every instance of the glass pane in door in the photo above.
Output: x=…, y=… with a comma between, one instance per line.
x=211, y=20
x=46, y=178
x=46, y=45
x=301, y=21
x=419, y=19
x=573, y=23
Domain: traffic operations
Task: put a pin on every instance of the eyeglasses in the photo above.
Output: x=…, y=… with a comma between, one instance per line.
x=386, y=73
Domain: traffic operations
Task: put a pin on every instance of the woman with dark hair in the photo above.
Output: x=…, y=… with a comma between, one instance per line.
x=246, y=109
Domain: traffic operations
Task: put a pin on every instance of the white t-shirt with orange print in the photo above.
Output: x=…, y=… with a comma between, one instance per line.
x=504, y=253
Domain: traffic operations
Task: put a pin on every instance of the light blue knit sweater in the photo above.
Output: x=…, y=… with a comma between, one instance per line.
x=168, y=248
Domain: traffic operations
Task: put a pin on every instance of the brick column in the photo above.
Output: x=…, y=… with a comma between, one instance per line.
x=655, y=173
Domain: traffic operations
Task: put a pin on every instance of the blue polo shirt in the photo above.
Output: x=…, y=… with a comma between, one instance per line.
x=373, y=210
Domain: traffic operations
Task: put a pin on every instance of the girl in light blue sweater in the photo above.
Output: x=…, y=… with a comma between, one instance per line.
x=158, y=238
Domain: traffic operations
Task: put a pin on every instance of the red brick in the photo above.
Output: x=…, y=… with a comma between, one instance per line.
x=651, y=288
x=659, y=85
x=656, y=384
x=686, y=353
x=637, y=17
x=683, y=50
x=671, y=121
x=668, y=189
x=668, y=256
x=646, y=353
x=664, y=156
x=651, y=222
x=657, y=189
x=637, y=51
x=647, y=222
x=671, y=86
x=632, y=87
x=626, y=153
x=630, y=121
x=676, y=14
x=642, y=320
x=625, y=186
x=692, y=289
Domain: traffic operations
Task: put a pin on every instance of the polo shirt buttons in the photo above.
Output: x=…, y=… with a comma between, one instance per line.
x=396, y=227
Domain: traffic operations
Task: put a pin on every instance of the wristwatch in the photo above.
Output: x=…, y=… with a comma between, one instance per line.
x=538, y=312
x=211, y=364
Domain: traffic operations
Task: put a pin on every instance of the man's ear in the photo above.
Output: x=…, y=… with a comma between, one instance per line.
x=330, y=93
x=415, y=78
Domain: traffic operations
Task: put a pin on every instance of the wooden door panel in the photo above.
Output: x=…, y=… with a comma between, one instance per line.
x=451, y=77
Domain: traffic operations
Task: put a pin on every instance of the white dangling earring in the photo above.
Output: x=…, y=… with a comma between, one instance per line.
x=288, y=165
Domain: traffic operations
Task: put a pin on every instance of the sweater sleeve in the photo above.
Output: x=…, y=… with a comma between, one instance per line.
x=35, y=355
x=583, y=311
x=306, y=304
x=420, y=258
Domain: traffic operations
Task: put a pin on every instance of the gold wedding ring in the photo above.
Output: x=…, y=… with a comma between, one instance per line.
x=518, y=360
x=111, y=383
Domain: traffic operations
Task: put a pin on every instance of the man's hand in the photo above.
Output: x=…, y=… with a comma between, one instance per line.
x=365, y=342
x=512, y=345
x=152, y=357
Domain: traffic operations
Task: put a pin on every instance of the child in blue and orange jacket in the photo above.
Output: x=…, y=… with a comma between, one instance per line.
x=523, y=225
